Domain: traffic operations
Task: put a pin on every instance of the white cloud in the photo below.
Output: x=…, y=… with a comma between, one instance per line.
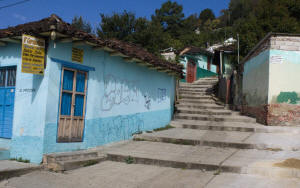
x=19, y=17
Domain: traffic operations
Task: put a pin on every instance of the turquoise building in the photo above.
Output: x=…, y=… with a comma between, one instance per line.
x=91, y=91
x=198, y=63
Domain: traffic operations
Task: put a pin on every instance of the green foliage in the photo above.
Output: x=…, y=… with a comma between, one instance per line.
x=207, y=14
x=163, y=128
x=129, y=160
x=82, y=25
x=20, y=159
x=168, y=27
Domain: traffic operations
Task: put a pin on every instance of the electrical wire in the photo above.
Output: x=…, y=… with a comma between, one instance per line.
x=13, y=4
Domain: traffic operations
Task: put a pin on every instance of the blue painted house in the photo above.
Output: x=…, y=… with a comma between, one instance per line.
x=89, y=92
x=198, y=63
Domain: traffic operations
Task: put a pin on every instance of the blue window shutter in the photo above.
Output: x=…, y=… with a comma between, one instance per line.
x=66, y=102
x=80, y=82
x=68, y=80
x=79, y=100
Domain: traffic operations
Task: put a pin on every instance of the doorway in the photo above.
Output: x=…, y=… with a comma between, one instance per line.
x=72, y=105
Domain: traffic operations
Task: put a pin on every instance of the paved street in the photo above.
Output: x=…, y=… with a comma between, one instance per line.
x=121, y=175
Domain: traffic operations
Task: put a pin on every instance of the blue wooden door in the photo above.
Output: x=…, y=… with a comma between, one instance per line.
x=72, y=105
x=7, y=98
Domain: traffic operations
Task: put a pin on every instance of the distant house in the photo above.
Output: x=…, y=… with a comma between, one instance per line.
x=201, y=63
x=62, y=90
x=270, y=89
x=198, y=63
x=169, y=54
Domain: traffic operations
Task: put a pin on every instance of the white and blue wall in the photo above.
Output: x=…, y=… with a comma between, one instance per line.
x=122, y=98
x=271, y=89
x=201, y=62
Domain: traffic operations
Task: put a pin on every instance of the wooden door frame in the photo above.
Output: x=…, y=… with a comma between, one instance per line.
x=74, y=93
x=193, y=71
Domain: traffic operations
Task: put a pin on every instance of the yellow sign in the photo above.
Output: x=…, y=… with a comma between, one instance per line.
x=33, y=55
x=77, y=55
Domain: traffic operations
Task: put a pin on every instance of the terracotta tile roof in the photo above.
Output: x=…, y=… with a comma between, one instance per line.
x=54, y=23
x=194, y=50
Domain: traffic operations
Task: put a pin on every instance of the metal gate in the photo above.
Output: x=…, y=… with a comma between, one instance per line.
x=7, y=98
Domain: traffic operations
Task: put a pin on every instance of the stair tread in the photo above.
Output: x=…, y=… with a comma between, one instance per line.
x=233, y=116
x=100, y=157
x=202, y=154
x=283, y=141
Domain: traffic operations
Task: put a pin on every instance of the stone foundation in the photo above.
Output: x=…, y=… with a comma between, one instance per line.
x=258, y=112
x=283, y=114
x=274, y=114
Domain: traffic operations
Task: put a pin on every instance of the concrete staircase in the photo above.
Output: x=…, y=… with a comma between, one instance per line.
x=208, y=137
x=205, y=136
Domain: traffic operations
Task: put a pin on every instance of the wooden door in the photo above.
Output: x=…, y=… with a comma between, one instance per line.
x=72, y=105
x=191, y=72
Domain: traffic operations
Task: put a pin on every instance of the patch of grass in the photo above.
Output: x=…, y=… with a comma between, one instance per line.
x=163, y=128
x=179, y=97
x=90, y=163
x=129, y=160
x=218, y=172
x=20, y=159
x=274, y=149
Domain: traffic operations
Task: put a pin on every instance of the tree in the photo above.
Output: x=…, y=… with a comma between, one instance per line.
x=206, y=14
x=119, y=26
x=170, y=17
x=82, y=25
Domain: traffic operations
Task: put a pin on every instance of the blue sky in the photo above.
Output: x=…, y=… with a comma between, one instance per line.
x=90, y=9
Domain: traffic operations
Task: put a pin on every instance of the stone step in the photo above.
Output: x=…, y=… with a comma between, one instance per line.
x=71, y=160
x=195, y=96
x=197, y=101
x=217, y=118
x=202, y=93
x=199, y=106
x=262, y=162
x=4, y=154
x=203, y=83
x=203, y=112
x=195, y=90
x=234, y=126
x=196, y=86
x=232, y=139
x=78, y=163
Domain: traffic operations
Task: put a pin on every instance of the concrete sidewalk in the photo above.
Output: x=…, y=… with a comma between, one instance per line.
x=120, y=175
x=10, y=168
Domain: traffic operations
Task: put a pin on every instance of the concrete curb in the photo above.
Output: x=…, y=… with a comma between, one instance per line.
x=5, y=174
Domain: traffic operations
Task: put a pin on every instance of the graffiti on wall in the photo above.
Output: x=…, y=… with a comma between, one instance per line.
x=147, y=101
x=161, y=95
x=118, y=91
x=123, y=126
x=288, y=97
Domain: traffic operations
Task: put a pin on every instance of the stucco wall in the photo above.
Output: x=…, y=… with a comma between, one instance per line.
x=29, y=107
x=123, y=98
x=256, y=80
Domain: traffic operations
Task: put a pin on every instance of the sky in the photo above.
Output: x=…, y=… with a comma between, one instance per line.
x=34, y=10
